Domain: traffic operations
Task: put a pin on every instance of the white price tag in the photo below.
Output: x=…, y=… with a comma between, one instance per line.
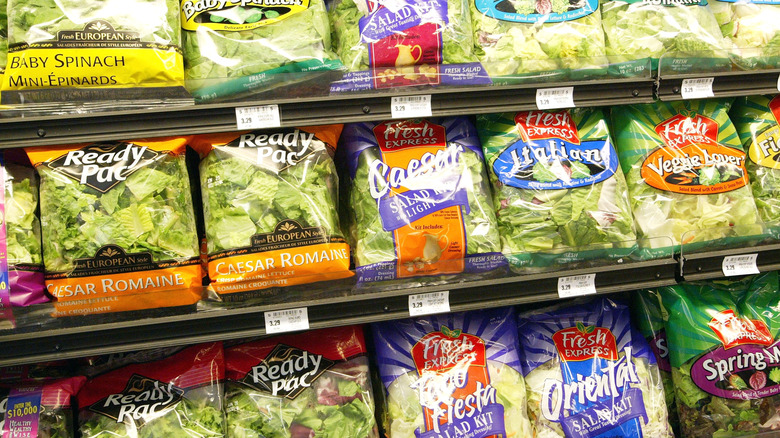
x=290, y=320
x=740, y=265
x=430, y=303
x=576, y=285
x=258, y=117
x=554, y=98
x=778, y=82
x=407, y=107
x=697, y=88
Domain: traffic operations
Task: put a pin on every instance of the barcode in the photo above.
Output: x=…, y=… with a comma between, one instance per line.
x=741, y=258
x=415, y=98
x=554, y=92
x=699, y=81
x=579, y=277
x=287, y=312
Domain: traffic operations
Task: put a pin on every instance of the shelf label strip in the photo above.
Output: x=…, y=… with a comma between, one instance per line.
x=430, y=303
x=576, y=285
x=699, y=88
x=290, y=320
x=408, y=107
x=258, y=117
x=740, y=265
x=555, y=98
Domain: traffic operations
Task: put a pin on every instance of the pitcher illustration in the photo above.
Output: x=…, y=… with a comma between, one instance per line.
x=405, y=56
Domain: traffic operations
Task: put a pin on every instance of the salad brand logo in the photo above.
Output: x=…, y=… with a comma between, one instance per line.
x=287, y=371
x=142, y=399
x=688, y=129
x=764, y=149
x=392, y=136
x=237, y=15
x=102, y=166
x=275, y=151
x=540, y=125
x=585, y=343
x=446, y=349
x=734, y=331
x=112, y=259
x=99, y=30
x=534, y=11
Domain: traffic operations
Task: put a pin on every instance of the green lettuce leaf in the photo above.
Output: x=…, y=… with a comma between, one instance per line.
x=23, y=241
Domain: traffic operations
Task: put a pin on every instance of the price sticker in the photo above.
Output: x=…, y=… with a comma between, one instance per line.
x=576, y=285
x=290, y=320
x=258, y=117
x=554, y=98
x=430, y=303
x=740, y=265
x=407, y=107
x=699, y=88
x=778, y=83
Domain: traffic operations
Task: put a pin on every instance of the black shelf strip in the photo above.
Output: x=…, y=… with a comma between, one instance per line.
x=725, y=84
x=32, y=130
x=340, y=308
x=709, y=265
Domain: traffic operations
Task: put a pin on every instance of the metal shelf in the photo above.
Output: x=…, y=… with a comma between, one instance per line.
x=709, y=265
x=725, y=84
x=326, y=308
x=32, y=130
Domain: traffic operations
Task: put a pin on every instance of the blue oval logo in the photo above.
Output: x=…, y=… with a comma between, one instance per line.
x=533, y=11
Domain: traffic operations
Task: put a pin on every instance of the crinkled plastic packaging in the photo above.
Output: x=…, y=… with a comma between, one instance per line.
x=452, y=375
x=39, y=408
x=313, y=384
x=589, y=374
x=176, y=396
x=558, y=191
x=418, y=199
x=118, y=226
x=270, y=203
x=753, y=30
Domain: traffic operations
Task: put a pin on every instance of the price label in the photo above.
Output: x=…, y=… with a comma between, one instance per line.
x=778, y=83
x=576, y=285
x=258, y=117
x=430, y=303
x=699, y=88
x=407, y=107
x=554, y=98
x=290, y=320
x=740, y=265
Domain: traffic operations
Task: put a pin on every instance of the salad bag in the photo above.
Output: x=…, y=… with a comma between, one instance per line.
x=118, y=226
x=649, y=317
x=71, y=50
x=724, y=352
x=558, y=190
x=176, y=396
x=539, y=40
x=752, y=27
x=686, y=175
x=589, y=374
x=235, y=47
x=756, y=120
x=315, y=384
x=685, y=34
x=39, y=408
x=270, y=206
x=452, y=375
x=418, y=199
x=22, y=236
x=392, y=43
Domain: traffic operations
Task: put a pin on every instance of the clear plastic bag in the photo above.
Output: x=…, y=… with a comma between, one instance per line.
x=753, y=29
x=43, y=406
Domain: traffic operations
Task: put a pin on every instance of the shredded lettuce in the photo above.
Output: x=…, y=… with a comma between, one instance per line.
x=752, y=29
x=23, y=244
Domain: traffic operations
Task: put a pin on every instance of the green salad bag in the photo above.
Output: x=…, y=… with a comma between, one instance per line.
x=686, y=175
x=725, y=355
x=756, y=118
x=753, y=29
x=558, y=190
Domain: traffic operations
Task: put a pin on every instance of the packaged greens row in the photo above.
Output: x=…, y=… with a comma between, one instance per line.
x=145, y=224
x=148, y=50
x=496, y=372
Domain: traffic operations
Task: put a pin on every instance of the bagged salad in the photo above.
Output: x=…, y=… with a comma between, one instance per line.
x=39, y=408
x=558, y=190
x=753, y=29
x=539, y=38
x=649, y=316
x=22, y=231
x=452, y=375
x=270, y=201
x=686, y=174
x=71, y=50
x=315, y=384
x=588, y=373
x=118, y=226
x=756, y=120
x=418, y=199
x=724, y=349
x=389, y=43
x=176, y=396
x=685, y=33
x=234, y=47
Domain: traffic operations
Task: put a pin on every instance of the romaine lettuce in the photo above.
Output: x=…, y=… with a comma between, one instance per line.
x=753, y=29
x=23, y=244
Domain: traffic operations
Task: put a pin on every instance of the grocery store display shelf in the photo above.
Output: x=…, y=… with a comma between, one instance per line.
x=724, y=84
x=30, y=129
x=334, y=306
x=710, y=264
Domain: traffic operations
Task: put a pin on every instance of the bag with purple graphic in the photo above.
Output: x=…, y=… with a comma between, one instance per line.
x=588, y=374
x=38, y=408
x=419, y=199
x=724, y=349
x=455, y=375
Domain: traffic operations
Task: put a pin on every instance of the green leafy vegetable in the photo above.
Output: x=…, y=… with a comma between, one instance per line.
x=752, y=29
x=3, y=34
x=22, y=225
x=774, y=375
